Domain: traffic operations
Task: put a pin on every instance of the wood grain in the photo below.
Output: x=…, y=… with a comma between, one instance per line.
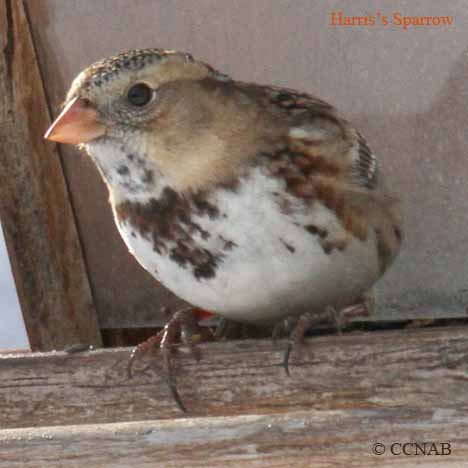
x=35, y=210
x=324, y=438
x=423, y=369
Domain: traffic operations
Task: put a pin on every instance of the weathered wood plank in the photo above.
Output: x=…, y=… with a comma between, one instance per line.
x=35, y=210
x=422, y=369
x=326, y=438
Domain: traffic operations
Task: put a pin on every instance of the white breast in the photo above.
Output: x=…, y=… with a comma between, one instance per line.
x=274, y=268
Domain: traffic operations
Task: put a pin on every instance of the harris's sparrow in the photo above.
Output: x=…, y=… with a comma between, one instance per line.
x=253, y=201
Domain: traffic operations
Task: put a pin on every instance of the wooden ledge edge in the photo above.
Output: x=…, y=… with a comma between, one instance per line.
x=422, y=369
x=304, y=438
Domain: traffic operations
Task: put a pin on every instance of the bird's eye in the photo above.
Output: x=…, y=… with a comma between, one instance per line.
x=139, y=95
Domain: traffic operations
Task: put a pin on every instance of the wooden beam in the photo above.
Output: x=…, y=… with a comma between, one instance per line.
x=327, y=438
x=35, y=210
x=423, y=369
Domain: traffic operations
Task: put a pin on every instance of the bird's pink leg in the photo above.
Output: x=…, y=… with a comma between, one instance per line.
x=329, y=314
x=182, y=328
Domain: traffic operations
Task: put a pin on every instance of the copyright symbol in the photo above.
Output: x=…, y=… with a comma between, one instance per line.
x=378, y=449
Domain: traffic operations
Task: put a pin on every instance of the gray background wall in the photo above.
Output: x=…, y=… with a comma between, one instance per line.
x=407, y=90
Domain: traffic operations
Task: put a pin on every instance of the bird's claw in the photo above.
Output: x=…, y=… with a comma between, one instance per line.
x=301, y=325
x=182, y=328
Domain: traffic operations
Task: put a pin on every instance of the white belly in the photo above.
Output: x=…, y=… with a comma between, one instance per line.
x=274, y=267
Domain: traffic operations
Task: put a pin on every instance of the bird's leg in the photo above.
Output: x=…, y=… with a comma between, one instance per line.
x=182, y=328
x=362, y=308
x=142, y=350
x=191, y=333
x=283, y=326
x=344, y=316
x=171, y=332
x=297, y=334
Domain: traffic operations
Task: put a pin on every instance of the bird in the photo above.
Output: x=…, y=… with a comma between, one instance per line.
x=260, y=203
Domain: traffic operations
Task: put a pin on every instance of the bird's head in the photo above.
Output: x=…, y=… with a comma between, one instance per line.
x=152, y=111
x=132, y=89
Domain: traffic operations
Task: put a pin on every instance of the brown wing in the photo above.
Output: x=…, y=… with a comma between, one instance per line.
x=327, y=159
x=316, y=131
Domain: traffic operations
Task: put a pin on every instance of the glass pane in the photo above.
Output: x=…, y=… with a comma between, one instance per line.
x=12, y=330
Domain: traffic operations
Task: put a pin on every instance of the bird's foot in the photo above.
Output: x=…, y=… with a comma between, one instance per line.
x=182, y=328
x=343, y=317
x=297, y=327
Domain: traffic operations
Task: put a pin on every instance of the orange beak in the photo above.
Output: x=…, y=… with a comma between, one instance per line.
x=77, y=123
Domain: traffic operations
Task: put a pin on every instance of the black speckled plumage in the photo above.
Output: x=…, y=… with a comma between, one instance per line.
x=108, y=68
